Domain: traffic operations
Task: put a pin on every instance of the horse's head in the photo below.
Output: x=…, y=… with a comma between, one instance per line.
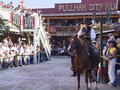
x=74, y=43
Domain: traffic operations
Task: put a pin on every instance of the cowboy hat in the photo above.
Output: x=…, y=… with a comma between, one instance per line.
x=87, y=22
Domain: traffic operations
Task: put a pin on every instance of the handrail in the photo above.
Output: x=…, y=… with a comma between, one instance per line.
x=29, y=25
x=45, y=41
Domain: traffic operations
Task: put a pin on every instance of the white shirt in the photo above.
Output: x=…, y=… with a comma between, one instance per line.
x=112, y=38
x=92, y=34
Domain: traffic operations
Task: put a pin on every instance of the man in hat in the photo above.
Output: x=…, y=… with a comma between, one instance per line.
x=111, y=38
x=86, y=34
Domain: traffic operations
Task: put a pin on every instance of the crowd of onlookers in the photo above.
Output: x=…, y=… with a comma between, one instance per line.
x=66, y=22
x=10, y=6
x=20, y=8
x=13, y=55
x=111, y=62
x=19, y=54
x=59, y=48
x=6, y=6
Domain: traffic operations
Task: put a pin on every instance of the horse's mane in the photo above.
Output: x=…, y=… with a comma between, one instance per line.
x=82, y=58
x=83, y=54
x=80, y=46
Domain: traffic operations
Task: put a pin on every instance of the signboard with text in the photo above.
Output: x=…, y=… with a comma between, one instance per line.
x=85, y=6
x=63, y=8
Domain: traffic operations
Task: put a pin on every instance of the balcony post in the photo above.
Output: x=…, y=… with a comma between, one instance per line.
x=22, y=22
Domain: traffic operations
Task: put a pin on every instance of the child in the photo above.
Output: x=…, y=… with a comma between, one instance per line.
x=104, y=68
x=117, y=79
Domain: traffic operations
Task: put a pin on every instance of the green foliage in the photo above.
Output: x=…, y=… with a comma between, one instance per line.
x=4, y=29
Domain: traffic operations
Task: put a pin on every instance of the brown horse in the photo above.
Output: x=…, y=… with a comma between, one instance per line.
x=82, y=60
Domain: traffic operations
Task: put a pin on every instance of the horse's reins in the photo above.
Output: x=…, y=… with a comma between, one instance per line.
x=85, y=49
x=105, y=58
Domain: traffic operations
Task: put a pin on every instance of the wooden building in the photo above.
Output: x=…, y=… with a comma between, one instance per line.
x=64, y=19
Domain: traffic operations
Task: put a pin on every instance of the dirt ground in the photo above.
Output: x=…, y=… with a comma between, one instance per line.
x=50, y=75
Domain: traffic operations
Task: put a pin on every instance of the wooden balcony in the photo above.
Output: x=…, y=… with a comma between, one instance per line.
x=29, y=23
x=54, y=29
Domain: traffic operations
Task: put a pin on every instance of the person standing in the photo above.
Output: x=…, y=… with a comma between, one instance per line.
x=111, y=54
x=118, y=54
x=73, y=65
x=111, y=38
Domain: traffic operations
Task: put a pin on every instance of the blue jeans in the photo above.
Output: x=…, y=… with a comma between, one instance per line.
x=116, y=81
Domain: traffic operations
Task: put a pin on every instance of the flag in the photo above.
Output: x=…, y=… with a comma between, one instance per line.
x=22, y=3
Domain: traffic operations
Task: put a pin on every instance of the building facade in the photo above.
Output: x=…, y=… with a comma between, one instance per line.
x=64, y=19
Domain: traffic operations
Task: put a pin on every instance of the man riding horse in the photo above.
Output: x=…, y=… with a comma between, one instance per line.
x=83, y=63
x=86, y=35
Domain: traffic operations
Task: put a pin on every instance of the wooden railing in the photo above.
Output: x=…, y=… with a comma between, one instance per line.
x=64, y=28
x=29, y=23
x=16, y=20
x=105, y=27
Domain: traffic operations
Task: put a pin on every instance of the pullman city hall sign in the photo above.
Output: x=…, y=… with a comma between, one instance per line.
x=86, y=7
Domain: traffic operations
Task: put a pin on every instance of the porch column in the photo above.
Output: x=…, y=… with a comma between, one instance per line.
x=48, y=25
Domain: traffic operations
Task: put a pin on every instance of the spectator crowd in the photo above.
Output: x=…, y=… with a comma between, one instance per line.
x=14, y=55
x=20, y=9
x=18, y=54
x=111, y=62
x=6, y=6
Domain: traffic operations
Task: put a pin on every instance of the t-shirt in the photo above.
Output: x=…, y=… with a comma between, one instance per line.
x=118, y=45
x=112, y=38
x=92, y=34
x=112, y=50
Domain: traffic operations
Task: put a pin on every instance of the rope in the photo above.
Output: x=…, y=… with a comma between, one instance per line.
x=105, y=58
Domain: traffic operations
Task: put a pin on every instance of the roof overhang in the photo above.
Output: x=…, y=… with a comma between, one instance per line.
x=78, y=14
x=108, y=31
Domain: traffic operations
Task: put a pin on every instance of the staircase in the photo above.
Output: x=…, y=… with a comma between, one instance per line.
x=42, y=36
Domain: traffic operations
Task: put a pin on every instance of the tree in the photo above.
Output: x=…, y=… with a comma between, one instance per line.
x=1, y=22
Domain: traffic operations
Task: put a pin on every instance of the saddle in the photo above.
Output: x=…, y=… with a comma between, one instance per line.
x=93, y=54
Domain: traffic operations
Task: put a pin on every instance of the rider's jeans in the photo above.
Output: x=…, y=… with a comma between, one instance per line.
x=111, y=69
